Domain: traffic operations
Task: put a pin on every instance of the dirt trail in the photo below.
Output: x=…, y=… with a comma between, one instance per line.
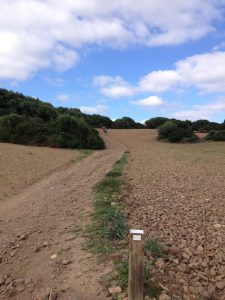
x=39, y=252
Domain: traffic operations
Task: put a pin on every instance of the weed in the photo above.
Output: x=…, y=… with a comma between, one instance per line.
x=154, y=247
x=122, y=270
x=83, y=154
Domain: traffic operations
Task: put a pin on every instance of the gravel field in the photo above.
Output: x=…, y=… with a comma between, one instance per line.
x=21, y=166
x=176, y=193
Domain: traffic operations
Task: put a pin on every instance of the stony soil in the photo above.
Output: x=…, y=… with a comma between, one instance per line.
x=42, y=255
x=21, y=166
x=176, y=193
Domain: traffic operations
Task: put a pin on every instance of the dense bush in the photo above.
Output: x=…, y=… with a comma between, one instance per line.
x=205, y=126
x=154, y=123
x=124, y=123
x=177, y=132
x=216, y=135
x=98, y=121
x=24, y=120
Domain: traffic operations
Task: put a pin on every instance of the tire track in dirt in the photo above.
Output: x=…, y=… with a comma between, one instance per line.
x=38, y=251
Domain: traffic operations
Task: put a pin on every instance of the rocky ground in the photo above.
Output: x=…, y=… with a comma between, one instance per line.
x=176, y=193
x=42, y=255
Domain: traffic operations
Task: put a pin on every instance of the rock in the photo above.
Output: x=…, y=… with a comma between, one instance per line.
x=20, y=289
x=217, y=226
x=53, y=256
x=114, y=290
x=200, y=249
x=182, y=268
x=173, y=250
x=164, y=297
x=66, y=261
x=23, y=236
x=13, y=253
x=160, y=263
x=46, y=244
x=37, y=249
x=2, y=281
x=53, y=296
x=220, y=285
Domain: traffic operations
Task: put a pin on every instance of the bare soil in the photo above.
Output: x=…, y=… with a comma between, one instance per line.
x=21, y=166
x=176, y=193
x=41, y=252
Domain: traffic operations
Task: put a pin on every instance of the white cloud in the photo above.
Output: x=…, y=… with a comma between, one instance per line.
x=151, y=101
x=113, y=87
x=159, y=81
x=97, y=109
x=205, y=72
x=205, y=111
x=37, y=34
x=64, y=98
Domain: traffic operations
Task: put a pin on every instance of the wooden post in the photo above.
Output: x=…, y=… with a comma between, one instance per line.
x=136, y=265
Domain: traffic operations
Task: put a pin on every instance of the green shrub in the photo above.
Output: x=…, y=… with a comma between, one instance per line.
x=216, y=135
x=29, y=121
x=177, y=132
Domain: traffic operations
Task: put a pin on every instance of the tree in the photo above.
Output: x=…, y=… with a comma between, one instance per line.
x=176, y=132
x=154, y=123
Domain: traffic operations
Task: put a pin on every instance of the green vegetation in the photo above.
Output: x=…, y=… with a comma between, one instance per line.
x=152, y=246
x=154, y=123
x=216, y=135
x=177, y=132
x=126, y=123
x=109, y=219
x=29, y=121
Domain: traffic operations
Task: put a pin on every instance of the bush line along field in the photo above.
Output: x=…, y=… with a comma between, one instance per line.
x=29, y=121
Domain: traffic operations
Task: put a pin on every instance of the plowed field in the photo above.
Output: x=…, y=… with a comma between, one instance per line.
x=176, y=193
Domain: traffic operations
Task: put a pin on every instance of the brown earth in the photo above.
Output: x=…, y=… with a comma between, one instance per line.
x=174, y=192
x=21, y=166
x=40, y=250
x=177, y=195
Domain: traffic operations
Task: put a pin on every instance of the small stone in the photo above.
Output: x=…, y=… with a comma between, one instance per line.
x=2, y=281
x=66, y=262
x=164, y=297
x=160, y=263
x=182, y=268
x=23, y=236
x=53, y=296
x=21, y=288
x=13, y=253
x=200, y=249
x=114, y=290
x=46, y=244
x=53, y=256
x=217, y=226
x=220, y=285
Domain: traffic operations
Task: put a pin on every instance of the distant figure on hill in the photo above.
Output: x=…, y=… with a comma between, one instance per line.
x=104, y=129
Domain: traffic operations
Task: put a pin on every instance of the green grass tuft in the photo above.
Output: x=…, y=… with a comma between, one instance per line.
x=154, y=247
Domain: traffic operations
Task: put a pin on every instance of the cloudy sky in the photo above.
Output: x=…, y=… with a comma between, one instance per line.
x=118, y=58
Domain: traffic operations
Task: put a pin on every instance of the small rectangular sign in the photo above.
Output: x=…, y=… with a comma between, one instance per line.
x=136, y=231
x=136, y=237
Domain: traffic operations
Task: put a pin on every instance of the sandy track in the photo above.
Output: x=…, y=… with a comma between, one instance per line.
x=37, y=223
x=177, y=194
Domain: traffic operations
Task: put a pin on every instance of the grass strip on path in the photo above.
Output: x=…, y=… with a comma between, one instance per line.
x=109, y=219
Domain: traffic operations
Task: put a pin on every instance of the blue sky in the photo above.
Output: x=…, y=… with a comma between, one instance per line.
x=117, y=58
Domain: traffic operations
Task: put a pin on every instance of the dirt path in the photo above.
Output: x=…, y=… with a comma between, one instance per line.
x=39, y=253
